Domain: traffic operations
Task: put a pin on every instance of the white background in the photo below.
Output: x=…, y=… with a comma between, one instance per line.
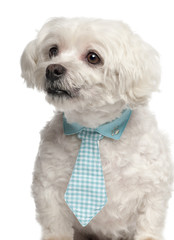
x=24, y=111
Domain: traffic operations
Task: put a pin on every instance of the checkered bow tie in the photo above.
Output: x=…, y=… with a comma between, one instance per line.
x=86, y=194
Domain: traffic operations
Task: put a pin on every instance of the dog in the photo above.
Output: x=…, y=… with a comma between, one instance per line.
x=91, y=70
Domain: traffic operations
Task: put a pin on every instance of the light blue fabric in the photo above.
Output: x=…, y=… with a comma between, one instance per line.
x=86, y=194
x=107, y=129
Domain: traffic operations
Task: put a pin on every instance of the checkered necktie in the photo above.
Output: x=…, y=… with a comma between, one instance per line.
x=86, y=193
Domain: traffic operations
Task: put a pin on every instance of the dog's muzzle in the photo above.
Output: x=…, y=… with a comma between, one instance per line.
x=55, y=82
x=55, y=72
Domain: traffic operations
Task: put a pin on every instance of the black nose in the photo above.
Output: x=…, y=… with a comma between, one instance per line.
x=54, y=72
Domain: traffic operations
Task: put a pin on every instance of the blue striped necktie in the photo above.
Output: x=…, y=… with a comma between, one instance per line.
x=86, y=193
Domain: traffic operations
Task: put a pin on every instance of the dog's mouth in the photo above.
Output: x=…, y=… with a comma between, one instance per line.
x=58, y=92
x=58, y=89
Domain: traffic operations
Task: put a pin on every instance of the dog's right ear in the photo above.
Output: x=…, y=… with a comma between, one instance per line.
x=28, y=63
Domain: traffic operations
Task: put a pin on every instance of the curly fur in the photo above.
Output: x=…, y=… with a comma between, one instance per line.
x=137, y=168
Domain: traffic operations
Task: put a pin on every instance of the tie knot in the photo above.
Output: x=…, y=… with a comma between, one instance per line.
x=89, y=133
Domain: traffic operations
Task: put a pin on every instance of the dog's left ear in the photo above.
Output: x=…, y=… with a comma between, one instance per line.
x=28, y=63
x=139, y=71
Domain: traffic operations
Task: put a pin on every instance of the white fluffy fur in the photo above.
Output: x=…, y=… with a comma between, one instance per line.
x=137, y=168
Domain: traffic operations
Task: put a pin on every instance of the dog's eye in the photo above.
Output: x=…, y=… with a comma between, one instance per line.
x=93, y=58
x=53, y=51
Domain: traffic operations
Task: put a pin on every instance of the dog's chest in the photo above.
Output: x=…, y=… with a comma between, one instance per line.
x=58, y=157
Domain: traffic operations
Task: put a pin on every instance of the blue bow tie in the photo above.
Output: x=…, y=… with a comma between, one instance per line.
x=86, y=193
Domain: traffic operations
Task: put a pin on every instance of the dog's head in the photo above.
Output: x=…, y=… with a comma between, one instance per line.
x=87, y=62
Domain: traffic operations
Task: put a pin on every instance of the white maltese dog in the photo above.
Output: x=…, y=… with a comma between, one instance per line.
x=91, y=71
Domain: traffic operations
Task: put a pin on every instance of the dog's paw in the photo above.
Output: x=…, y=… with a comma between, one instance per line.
x=146, y=237
x=58, y=238
x=149, y=238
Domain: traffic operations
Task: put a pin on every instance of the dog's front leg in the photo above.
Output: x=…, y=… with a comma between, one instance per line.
x=52, y=212
x=150, y=221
